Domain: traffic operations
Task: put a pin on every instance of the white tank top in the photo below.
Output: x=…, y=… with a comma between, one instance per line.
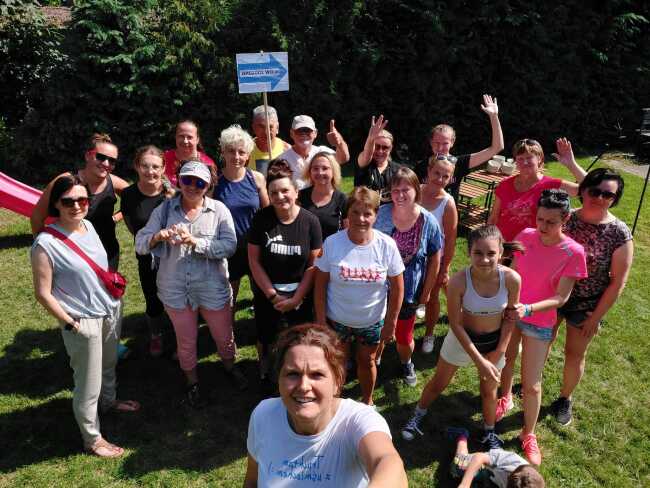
x=439, y=211
x=475, y=304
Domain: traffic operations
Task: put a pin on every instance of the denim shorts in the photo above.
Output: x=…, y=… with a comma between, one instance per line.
x=575, y=318
x=365, y=335
x=541, y=333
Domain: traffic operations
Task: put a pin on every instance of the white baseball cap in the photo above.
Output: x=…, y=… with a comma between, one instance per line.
x=303, y=121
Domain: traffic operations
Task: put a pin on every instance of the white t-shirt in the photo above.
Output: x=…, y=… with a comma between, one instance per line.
x=502, y=463
x=357, y=289
x=328, y=459
x=297, y=163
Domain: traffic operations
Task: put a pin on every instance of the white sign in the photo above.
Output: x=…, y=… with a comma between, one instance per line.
x=262, y=72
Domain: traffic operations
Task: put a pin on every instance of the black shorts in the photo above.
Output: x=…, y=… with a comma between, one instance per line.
x=485, y=343
x=238, y=262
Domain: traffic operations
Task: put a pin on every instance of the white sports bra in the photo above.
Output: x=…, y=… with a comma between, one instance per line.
x=475, y=304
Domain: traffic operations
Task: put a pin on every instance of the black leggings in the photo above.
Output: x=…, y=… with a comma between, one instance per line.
x=154, y=307
x=268, y=321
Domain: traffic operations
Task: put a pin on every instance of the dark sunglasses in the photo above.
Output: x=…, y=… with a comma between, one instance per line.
x=103, y=157
x=597, y=192
x=68, y=202
x=193, y=180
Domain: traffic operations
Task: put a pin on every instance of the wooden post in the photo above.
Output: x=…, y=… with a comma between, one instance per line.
x=268, y=127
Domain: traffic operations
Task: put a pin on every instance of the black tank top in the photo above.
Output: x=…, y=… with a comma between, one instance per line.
x=100, y=214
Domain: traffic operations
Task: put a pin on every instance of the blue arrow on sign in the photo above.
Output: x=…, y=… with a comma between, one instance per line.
x=270, y=72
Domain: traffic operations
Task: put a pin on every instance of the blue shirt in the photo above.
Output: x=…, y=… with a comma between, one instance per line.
x=430, y=243
x=242, y=199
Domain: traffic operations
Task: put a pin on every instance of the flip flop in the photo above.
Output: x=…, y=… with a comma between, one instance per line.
x=104, y=449
x=124, y=406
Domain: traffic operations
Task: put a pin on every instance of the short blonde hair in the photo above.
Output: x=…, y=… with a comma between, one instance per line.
x=444, y=128
x=234, y=136
x=365, y=196
x=336, y=168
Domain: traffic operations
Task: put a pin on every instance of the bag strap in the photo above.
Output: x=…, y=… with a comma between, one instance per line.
x=68, y=242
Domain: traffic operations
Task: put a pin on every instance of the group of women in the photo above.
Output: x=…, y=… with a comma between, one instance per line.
x=355, y=268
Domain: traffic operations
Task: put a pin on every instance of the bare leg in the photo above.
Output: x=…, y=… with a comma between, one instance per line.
x=507, y=375
x=436, y=385
x=380, y=350
x=489, y=400
x=532, y=364
x=235, y=292
x=432, y=311
x=575, y=353
x=366, y=371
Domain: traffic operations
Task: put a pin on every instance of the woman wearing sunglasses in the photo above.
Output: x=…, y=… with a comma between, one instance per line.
x=515, y=201
x=89, y=317
x=188, y=146
x=100, y=160
x=375, y=168
x=609, y=249
x=194, y=235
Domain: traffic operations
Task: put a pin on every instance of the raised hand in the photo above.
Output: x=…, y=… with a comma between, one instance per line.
x=564, y=152
x=376, y=126
x=334, y=137
x=489, y=105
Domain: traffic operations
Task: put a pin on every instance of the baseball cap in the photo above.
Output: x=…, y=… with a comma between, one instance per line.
x=300, y=121
x=197, y=169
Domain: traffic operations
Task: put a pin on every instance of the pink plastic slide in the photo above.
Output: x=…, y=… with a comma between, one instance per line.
x=17, y=196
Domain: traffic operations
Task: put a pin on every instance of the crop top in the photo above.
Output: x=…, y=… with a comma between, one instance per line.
x=475, y=304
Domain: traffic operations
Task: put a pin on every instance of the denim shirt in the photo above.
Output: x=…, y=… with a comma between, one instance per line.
x=430, y=243
x=192, y=277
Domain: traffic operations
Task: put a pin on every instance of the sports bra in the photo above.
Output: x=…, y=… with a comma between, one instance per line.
x=475, y=304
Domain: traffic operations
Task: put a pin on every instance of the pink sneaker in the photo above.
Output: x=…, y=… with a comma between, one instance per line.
x=531, y=449
x=504, y=405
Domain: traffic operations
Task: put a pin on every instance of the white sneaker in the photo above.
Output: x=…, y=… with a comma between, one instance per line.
x=428, y=343
x=421, y=311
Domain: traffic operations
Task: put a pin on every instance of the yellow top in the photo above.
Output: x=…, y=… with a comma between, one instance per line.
x=261, y=159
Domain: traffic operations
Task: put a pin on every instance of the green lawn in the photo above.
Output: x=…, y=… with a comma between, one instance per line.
x=608, y=444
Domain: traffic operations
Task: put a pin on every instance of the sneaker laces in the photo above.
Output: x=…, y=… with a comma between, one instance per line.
x=413, y=424
x=492, y=440
x=529, y=443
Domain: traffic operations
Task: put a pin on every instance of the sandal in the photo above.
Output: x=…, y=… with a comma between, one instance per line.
x=124, y=406
x=103, y=448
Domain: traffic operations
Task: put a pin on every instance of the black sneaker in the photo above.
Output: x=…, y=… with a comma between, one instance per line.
x=562, y=409
x=194, y=398
x=491, y=441
x=237, y=378
x=412, y=428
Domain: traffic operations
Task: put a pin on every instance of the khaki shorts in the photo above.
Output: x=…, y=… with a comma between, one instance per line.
x=454, y=354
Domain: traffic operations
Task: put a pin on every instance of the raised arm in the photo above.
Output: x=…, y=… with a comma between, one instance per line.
x=565, y=156
x=335, y=138
x=376, y=126
x=491, y=108
x=383, y=464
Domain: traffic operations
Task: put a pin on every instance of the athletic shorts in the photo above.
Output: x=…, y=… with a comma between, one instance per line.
x=369, y=336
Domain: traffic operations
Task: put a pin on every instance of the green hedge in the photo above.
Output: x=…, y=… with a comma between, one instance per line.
x=133, y=68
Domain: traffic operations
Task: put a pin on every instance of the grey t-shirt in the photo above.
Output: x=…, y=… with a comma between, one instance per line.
x=502, y=463
x=75, y=285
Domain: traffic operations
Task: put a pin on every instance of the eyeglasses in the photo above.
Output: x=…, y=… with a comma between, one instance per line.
x=68, y=202
x=597, y=192
x=103, y=158
x=193, y=180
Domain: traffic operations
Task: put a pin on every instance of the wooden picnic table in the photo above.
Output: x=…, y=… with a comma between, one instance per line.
x=477, y=184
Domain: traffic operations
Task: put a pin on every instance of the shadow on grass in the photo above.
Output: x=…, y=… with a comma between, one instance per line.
x=16, y=241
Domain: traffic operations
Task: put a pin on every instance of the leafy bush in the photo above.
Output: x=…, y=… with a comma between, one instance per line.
x=136, y=67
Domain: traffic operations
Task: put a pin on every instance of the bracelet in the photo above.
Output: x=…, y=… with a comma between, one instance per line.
x=528, y=310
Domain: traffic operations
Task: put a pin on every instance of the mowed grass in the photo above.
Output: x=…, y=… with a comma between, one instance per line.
x=168, y=444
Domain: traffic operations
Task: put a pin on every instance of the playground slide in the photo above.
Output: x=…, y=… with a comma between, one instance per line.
x=17, y=196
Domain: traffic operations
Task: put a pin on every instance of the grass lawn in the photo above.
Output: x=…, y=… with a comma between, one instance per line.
x=168, y=444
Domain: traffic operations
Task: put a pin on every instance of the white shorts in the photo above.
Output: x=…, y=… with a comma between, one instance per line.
x=452, y=352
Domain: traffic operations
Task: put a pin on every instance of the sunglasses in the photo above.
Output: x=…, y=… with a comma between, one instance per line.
x=193, y=180
x=103, y=158
x=597, y=192
x=304, y=130
x=68, y=202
